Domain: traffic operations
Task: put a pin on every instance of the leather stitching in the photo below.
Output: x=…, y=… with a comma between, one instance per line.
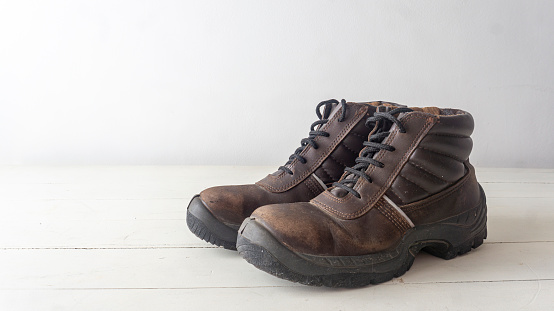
x=392, y=192
x=403, y=160
x=333, y=145
x=401, y=163
x=336, y=160
x=335, y=117
x=442, y=153
x=309, y=185
x=382, y=208
x=293, y=163
x=316, y=186
x=448, y=135
x=326, y=207
x=396, y=194
x=361, y=182
x=359, y=135
x=349, y=149
x=413, y=182
x=389, y=217
x=439, y=197
x=326, y=173
x=425, y=170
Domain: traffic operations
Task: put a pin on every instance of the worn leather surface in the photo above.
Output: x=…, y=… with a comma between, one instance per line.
x=348, y=226
x=232, y=204
x=306, y=228
x=437, y=162
x=463, y=195
x=320, y=157
x=417, y=124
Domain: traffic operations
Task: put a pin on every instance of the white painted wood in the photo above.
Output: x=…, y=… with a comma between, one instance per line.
x=209, y=267
x=501, y=296
x=89, y=238
x=520, y=219
x=515, y=175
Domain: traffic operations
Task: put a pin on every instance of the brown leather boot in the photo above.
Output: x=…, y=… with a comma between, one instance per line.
x=412, y=189
x=333, y=144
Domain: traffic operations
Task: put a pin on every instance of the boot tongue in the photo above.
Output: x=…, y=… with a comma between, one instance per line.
x=380, y=126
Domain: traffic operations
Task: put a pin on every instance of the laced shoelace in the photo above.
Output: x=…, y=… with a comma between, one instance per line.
x=323, y=119
x=371, y=147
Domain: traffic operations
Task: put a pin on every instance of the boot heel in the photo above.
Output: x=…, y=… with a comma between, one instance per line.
x=459, y=234
x=446, y=250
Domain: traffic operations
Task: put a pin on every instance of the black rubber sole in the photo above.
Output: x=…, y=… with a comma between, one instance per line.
x=204, y=225
x=447, y=239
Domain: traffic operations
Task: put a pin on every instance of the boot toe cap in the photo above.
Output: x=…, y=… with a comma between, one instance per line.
x=301, y=227
x=306, y=229
x=229, y=204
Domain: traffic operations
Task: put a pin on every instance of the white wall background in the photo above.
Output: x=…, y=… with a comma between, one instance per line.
x=236, y=82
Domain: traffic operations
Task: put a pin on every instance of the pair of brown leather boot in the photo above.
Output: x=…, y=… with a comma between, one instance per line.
x=372, y=185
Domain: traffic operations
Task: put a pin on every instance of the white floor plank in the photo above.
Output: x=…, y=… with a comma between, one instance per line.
x=511, y=175
x=211, y=267
x=490, y=296
x=97, y=234
x=520, y=219
x=87, y=238
x=90, y=209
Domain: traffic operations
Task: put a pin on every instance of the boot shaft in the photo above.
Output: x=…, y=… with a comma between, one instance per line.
x=429, y=157
x=438, y=161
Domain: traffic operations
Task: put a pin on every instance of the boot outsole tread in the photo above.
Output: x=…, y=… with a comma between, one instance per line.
x=265, y=261
x=204, y=225
x=200, y=230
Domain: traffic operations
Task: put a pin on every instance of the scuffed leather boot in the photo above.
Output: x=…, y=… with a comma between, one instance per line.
x=412, y=189
x=333, y=144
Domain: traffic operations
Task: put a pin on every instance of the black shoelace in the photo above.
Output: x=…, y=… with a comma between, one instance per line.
x=323, y=118
x=372, y=146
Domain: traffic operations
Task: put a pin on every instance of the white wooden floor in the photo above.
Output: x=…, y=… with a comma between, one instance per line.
x=115, y=238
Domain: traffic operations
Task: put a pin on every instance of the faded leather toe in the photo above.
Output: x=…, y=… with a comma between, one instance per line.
x=231, y=204
x=301, y=226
